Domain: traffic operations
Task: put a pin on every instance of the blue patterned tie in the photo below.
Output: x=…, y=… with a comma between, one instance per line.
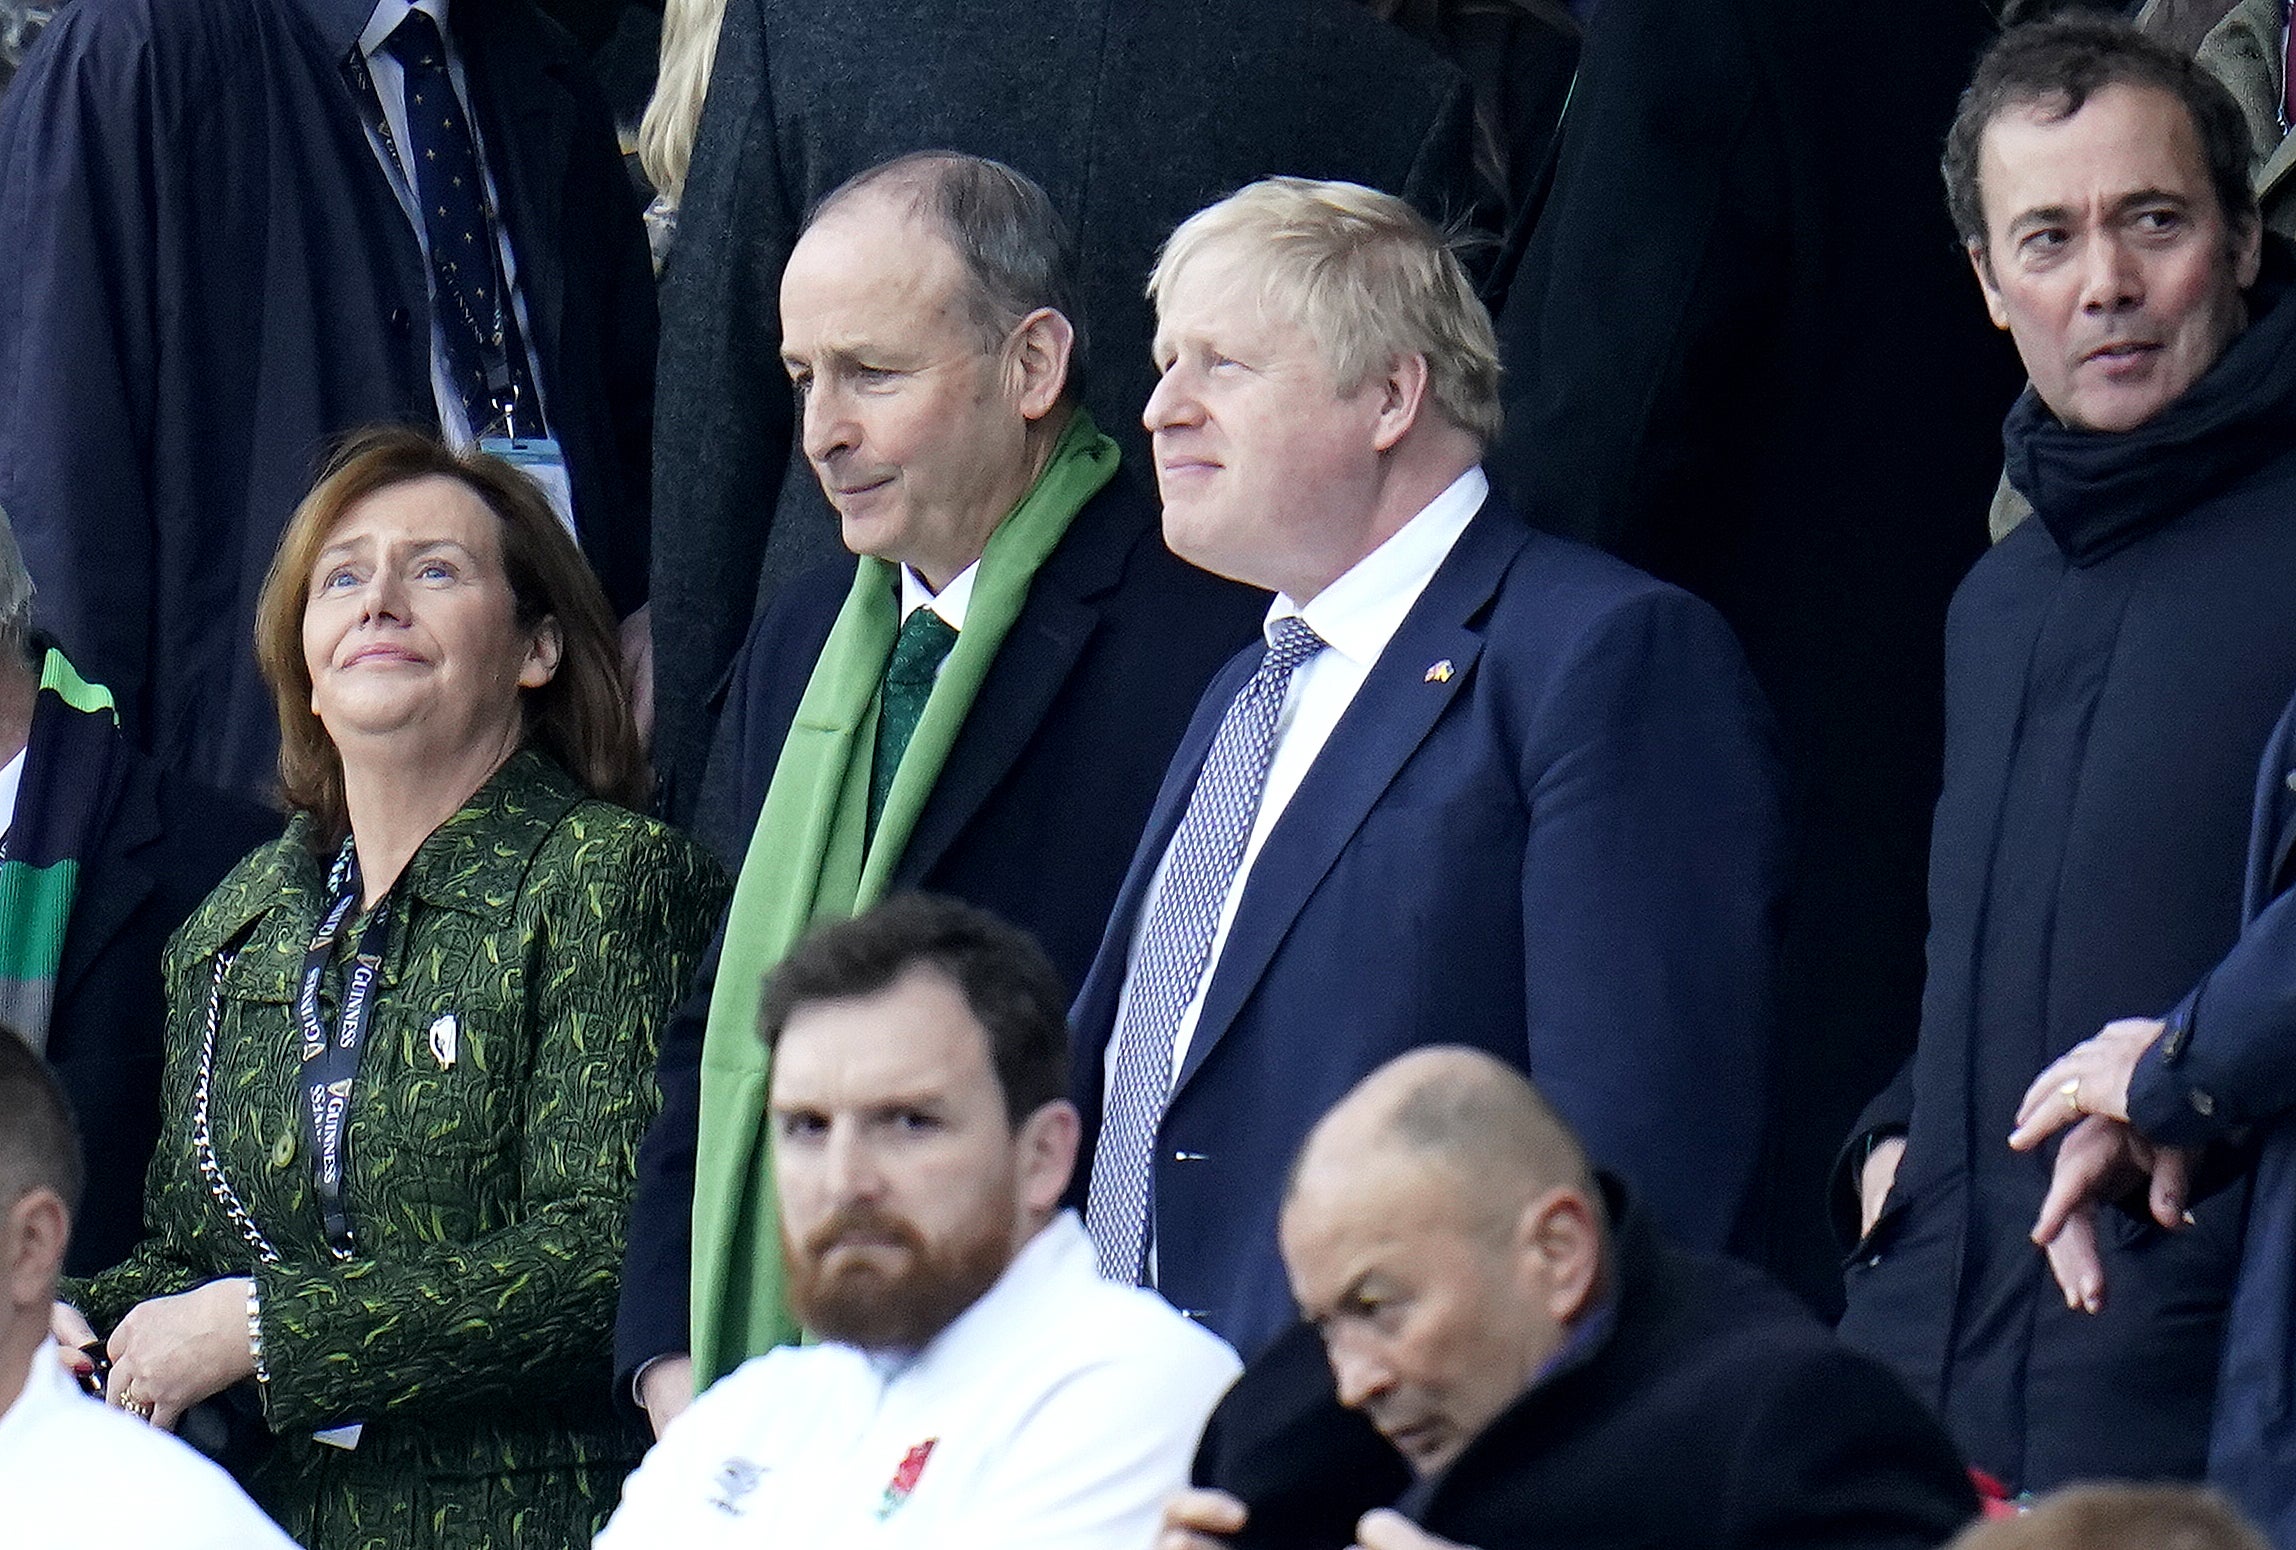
x=475, y=318
x=1175, y=946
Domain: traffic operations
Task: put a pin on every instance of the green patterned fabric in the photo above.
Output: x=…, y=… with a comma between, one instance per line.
x=489, y=1195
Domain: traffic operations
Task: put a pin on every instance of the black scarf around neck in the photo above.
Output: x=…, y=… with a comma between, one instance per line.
x=2099, y=491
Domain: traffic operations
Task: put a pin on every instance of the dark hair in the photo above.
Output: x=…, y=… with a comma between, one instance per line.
x=39, y=1144
x=1013, y=245
x=1011, y=987
x=2056, y=65
x=581, y=718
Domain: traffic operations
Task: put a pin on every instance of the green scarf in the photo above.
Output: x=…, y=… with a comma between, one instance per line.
x=808, y=862
x=71, y=768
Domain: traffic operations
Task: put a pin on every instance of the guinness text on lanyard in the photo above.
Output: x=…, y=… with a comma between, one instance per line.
x=331, y=1062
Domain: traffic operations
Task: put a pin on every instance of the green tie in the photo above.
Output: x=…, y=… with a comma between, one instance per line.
x=918, y=652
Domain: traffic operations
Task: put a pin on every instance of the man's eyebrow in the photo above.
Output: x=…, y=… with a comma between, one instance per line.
x=2149, y=196
x=2044, y=215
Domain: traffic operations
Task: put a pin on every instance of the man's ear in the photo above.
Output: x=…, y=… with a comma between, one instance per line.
x=2247, y=249
x=542, y=654
x=1045, y=1146
x=1981, y=261
x=1041, y=347
x=1402, y=394
x=1558, y=1239
x=33, y=1235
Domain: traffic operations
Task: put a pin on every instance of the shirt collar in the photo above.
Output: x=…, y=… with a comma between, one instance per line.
x=386, y=16
x=1359, y=613
x=950, y=602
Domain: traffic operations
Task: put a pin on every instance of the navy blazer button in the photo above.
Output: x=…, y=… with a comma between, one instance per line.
x=2203, y=1104
x=400, y=323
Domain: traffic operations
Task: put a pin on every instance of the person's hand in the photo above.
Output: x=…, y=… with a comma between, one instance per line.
x=1383, y=1529
x=172, y=1352
x=2090, y=1078
x=665, y=1388
x=1199, y=1520
x=638, y=666
x=2100, y=1160
x=71, y=1332
x=1874, y=1180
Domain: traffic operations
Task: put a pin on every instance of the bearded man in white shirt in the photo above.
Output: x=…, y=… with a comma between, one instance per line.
x=74, y=1472
x=975, y=1383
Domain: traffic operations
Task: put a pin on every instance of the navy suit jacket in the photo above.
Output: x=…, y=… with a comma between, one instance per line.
x=1034, y=815
x=2223, y=1076
x=1565, y=850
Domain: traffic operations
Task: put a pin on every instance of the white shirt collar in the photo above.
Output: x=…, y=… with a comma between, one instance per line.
x=11, y=781
x=388, y=15
x=998, y=1320
x=1359, y=613
x=950, y=602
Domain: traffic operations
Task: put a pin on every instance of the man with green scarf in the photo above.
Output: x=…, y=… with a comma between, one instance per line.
x=102, y=855
x=981, y=705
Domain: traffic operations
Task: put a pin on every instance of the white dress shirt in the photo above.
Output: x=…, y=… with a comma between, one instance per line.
x=950, y=602
x=77, y=1475
x=1060, y=1410
x=1356, y=616
x=390, y=80
x=11, y=781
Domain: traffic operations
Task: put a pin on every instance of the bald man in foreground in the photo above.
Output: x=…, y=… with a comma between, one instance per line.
x=1550, y=1372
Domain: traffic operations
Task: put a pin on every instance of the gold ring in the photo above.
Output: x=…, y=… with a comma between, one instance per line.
x=2071, y=1093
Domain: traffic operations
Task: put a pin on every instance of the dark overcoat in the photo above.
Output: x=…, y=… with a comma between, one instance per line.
x=1715, y=1414
x=1033, y=817
x=1745, y=352
x=211, y=280
x=1132, y=114
x=2113, y=671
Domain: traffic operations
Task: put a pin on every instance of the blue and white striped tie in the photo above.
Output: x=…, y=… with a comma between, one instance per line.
x=1175, y=946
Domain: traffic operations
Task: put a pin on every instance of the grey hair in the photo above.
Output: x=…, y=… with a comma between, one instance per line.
x=1015, y=249
x=15, y=591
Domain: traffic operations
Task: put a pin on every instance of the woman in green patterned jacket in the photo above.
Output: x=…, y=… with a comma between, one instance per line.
x=411, y=1044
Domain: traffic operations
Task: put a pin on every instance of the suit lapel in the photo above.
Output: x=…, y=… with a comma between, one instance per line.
x=1035, y=659
x=1392, y=714
x=1030, y=667
x=2276, y=834
x=1096, y=1003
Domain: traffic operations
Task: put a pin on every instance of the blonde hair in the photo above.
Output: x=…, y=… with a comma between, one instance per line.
x=674, y=113
x=1366, y=275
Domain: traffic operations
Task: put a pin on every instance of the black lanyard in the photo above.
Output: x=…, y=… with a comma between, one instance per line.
x=331, y=1063
x=494, y=342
